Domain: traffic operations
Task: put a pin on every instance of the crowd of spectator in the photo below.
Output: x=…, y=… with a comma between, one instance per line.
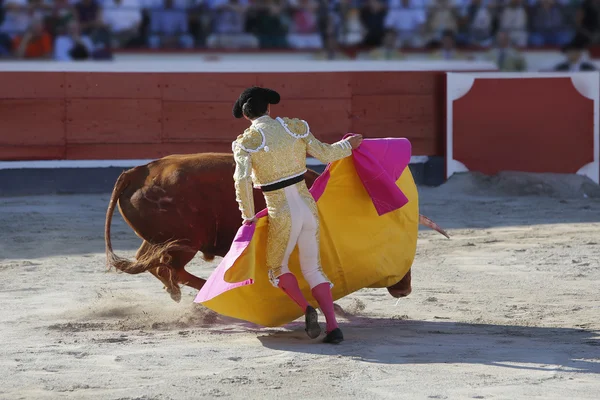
x=82, y=29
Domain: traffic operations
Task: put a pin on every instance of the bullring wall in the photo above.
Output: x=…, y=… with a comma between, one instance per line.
x=149, y=115
x=74, y=114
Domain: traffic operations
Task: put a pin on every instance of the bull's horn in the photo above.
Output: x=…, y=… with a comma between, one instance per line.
x=423, y=220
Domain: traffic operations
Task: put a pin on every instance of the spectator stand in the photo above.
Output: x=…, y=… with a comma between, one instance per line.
x=345, y=27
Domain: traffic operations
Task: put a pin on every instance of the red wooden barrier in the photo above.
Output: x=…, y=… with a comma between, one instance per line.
x=524, y=122
x=124, y=115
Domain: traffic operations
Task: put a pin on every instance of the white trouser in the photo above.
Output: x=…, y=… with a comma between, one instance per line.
x=304, y=232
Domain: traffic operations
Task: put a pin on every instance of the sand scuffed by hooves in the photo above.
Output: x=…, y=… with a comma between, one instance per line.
x=508, y=308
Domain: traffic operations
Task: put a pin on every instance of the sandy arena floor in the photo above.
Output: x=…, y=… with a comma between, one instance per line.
x=507, y=309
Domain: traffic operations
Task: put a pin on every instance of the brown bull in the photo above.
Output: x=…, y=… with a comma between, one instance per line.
x=183, y=204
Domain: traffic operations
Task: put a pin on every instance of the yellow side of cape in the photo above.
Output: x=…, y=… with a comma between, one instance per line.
x=359, y=249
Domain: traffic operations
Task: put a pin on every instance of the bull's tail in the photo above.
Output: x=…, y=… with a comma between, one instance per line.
x=152, y=256
x=423, y=220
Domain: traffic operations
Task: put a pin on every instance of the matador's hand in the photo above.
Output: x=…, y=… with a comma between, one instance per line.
x=249, y=221
x=355, y=141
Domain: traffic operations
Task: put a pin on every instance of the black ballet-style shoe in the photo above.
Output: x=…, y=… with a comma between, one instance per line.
x=311, y=320
x=334, y=337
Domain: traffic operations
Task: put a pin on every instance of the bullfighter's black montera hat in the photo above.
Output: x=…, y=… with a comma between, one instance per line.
x=259, y=95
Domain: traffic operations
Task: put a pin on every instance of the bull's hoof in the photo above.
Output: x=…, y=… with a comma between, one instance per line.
x=400, y=293
x=176, y=297
x=175, y=294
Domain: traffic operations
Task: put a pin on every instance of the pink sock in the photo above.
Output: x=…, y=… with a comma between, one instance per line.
x=322, y=293
x=289, y=284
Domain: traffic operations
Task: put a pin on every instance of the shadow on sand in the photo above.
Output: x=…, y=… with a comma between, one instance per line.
x=387, y=341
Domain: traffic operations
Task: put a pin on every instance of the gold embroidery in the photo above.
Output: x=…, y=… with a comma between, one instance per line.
x=250, y=141
x=279, y=229
x=325, y=152
x=271, y=151
x=296, y=126
x=286, y=155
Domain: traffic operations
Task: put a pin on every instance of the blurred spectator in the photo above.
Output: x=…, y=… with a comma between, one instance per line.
x=514, y=20
x=575, y=61
x=72, y=46
x=169, y=26
x=587, y=20
x=331, y=23
x=373, y=17
x=13, y=20
x=16, y=18
x=229, y=22
x=36, y=42
x=332, y=50
x=42, y=10
x=60, y=15
x=389, y=50
x=305, y=29
x=352, y=30
x=408, y=21
x=505, y=56
x=441, y=19
x=548, y=24
x=448, y=49
x=270, y=25
x=199, y=21
x=89, y=16
x=5, y=45
x=343, y=19
x=477, y=23
x=123, y=19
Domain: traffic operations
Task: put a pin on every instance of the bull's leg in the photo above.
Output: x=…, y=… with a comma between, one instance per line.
x=169, y=278
x=178, y=262
x=162, y=273
x=402, y=288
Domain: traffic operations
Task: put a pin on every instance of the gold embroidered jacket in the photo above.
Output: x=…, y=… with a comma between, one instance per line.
x=273, y=150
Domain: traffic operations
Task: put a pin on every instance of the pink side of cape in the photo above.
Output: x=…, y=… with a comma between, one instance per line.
x=378, y=162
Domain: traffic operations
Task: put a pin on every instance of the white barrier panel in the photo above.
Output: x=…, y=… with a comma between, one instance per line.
x=232, y=66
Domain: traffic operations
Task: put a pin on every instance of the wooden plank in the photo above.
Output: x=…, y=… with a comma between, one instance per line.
x=141, y=151
x=395, y=128
x=32, y=122
x=193, y=121
x=190, y=121
x=424, y=147
x=386, y=107
x=114, y=121
x=32, y=152
x=394, y=82
x=207, y=87
x=32, y=85
x=325, y=117
x=307, y=85
x=113, y=85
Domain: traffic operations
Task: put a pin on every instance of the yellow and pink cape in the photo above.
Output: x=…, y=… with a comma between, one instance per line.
x=369, y=216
